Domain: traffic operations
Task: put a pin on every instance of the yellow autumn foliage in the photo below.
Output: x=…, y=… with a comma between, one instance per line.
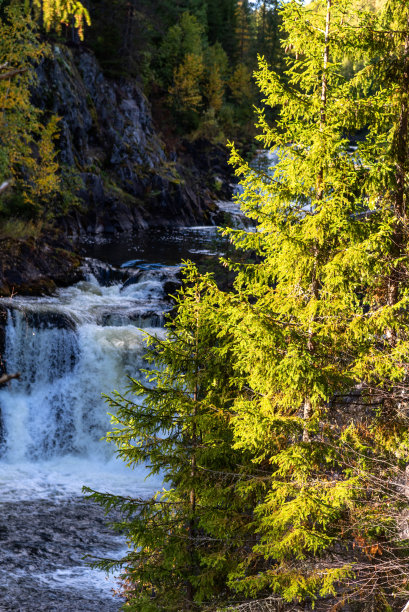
x=28, y=158
x=240, y=84
x=215, y=88
x=58, y=12
x=186, y=90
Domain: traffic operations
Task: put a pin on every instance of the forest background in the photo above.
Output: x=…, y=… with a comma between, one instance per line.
x=193, y=59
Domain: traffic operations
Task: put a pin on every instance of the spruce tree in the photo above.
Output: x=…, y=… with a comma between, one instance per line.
x=184, y=540
x=221, y=24
x=322, y=317
x=268, y=34
x=309, y=352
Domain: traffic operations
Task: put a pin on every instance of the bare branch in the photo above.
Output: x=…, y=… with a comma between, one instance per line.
x=7, y=377
x=12, y=73
x=5, y=185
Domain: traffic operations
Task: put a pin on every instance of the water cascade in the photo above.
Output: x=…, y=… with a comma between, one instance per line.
x=70, y=348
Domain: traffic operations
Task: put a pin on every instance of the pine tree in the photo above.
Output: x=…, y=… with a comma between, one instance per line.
x=186, y=90
x=187, y=537
x=182, y=39
x=267, y=40
x=215, y=89
x=217, y=67
x=221, y=24
x=242, y=92
x=243, y=29
x=309, y=352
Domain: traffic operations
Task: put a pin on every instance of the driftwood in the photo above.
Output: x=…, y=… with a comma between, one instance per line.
x=7, y=377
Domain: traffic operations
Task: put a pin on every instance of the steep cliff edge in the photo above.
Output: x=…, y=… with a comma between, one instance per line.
x=107, y=135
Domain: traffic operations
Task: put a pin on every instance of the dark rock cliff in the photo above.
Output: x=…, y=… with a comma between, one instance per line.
x=128, y=180
x=108, y=136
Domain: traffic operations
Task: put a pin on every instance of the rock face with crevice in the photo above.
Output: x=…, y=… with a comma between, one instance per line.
x=127, y=180
x=107, y=135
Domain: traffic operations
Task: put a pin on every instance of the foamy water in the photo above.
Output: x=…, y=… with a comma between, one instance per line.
x=70, y=349
x=63, y=478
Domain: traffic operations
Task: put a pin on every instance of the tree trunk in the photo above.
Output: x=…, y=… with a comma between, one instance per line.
x=307, y=408
x=399, y=204
x=192, y=497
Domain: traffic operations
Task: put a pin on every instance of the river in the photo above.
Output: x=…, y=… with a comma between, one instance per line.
x=70, y=348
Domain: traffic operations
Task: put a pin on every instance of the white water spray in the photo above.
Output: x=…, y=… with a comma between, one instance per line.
x=70, y=349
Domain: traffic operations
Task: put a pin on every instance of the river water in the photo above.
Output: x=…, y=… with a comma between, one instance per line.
x=70, y=348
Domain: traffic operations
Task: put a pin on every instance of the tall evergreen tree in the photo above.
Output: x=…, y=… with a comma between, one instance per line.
x=309, y=352
x=244, y=33
x=324, y=313
x=183, y=39
x=267, y=41
x=185, y=539
x=221, y=24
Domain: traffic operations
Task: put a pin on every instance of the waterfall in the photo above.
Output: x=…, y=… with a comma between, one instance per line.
x=71, y=348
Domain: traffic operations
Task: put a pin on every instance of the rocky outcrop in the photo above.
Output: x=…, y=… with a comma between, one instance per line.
x=128, y=181
x=31, y=268
x=108, y=136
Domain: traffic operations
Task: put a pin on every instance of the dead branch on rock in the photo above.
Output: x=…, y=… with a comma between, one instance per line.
x=7, y=377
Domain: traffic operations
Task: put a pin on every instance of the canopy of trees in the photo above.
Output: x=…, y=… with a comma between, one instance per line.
x=192, y=56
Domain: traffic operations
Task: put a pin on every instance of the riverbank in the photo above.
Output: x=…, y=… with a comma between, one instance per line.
x=70, y=348
x=43, y=548
x=37, y=266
